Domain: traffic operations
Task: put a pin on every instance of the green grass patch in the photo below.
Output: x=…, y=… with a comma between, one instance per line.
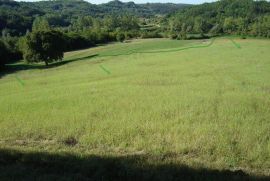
x=198, y=111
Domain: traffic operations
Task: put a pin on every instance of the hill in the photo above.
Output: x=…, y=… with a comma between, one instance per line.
x=225, y=16
x=18, y=16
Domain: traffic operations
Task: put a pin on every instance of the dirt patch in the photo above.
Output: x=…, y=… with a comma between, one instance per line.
x=70, y=141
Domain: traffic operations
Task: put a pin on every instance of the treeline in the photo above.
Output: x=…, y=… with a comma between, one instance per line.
x=17, y=17
x=9, y=49
x=83, y=33
x=242, y=17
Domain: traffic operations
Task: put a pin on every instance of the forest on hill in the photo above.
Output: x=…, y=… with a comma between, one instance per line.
x=17, y=17
x=244, y=17
x=82, y=24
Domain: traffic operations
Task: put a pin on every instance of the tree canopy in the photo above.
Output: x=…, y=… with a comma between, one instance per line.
x=17, y=17
x=43, y=46
x=224, y=17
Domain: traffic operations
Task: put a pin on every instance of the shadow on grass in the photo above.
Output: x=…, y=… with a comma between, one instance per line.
x=15, y=165
x=12, y=68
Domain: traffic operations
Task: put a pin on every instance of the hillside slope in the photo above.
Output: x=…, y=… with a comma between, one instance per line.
x=207, y=108
x=18, y=16
x=225, y=16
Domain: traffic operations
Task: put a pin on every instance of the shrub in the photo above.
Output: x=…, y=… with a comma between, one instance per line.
x=120, y=37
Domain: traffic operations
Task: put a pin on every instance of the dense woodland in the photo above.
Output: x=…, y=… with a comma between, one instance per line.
x=29, y=29
x=242, y=17
x=17, y=17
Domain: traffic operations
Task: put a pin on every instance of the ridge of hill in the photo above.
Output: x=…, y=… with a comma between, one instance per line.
x=19, y=16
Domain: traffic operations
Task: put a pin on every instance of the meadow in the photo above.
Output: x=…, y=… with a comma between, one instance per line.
x=142, y=110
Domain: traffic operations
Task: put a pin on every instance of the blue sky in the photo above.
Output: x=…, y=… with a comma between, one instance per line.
x=150, y=1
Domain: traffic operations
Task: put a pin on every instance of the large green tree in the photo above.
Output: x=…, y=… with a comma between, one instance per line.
x=44, y=46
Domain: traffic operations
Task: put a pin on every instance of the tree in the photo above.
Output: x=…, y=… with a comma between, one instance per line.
x=83, y=23
x=40, y=24
x=229, y=25
x=120, y=37
x=11, y=44
x=44, y=46
x=200, y=26
x=182, y=35
x=3, y=54
x=216, y=29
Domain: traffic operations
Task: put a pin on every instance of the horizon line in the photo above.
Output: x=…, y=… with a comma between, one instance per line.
x=167, y=2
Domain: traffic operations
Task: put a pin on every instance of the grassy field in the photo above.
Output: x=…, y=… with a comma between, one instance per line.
x=114, y=113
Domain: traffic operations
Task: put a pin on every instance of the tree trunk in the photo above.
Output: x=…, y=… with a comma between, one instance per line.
x=46, y=63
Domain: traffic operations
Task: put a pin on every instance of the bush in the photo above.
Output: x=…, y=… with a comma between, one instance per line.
x=243, y=36
x=197, y=37
x=75, y=41
x=182, y=36
x=154, y=34
x=120, y=37
x=173, y=36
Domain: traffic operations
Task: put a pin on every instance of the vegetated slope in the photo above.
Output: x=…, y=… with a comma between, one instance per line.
x=225, y=16
x=19, y=16
x=203, y=107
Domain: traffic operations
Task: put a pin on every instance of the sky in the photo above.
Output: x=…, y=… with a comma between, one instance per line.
x=150, y=1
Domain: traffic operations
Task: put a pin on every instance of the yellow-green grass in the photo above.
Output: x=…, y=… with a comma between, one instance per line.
x=204, y=107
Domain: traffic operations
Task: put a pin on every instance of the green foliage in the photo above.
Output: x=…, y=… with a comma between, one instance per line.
x=17, y=17
x=11, y=44
x=120, y=37
x=173, y=36
x=226, y=16
x=150, y=35
x=40, y=24
x=46, y=46
x=3, y=54
x=182, y=35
